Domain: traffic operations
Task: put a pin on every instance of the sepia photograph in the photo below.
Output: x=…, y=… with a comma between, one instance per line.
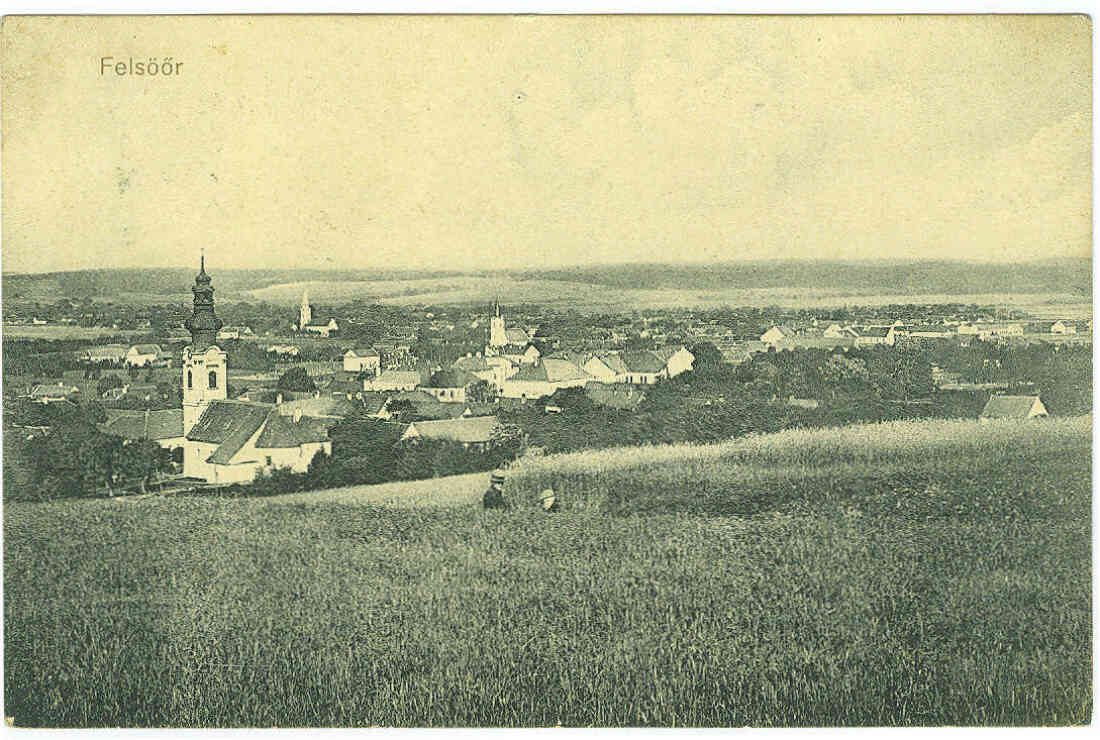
x=539, y=371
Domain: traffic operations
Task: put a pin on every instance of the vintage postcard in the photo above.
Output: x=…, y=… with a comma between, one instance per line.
x=547, y=371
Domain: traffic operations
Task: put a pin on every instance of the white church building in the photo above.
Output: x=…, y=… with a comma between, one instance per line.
x=232, y=441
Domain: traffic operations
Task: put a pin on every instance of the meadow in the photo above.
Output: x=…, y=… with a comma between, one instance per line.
x=911, y=573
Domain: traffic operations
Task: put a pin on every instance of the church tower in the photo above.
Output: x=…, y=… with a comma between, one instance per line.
x=205, y=365
x=497, y=336
x=305, y=313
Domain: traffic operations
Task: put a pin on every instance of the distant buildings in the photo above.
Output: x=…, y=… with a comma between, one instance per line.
x=308, y=323
x=472, y=431
x=147, y=355
x=362, y=359
x=876, y=335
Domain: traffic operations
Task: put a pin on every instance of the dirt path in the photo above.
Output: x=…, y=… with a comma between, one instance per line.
x=453, y=490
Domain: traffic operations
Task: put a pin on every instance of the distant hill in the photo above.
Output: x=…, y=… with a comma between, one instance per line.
x=859, y=278
x=171, y=282
x=785, y=283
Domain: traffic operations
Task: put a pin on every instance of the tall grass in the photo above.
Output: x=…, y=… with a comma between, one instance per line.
x=903, y=589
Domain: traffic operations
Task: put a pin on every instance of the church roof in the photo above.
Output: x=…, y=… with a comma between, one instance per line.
x=516, y=336
x=164, y=424
x=224, y=421
x=283, y=431
x=230, y=424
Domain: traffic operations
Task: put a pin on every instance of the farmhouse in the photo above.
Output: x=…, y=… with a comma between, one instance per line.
x=1013, y=407
x=449, y=385
x=112, y=353
x=234, y=332
x=147, y=355
x=777, y=333
x=836, y=331
x=606, y=368
x=54, y=393
x=876, y=335
x=362, y=359
x=543, y=378
x=474, y=431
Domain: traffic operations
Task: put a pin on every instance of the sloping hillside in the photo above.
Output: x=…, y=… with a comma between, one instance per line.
x=918, y=573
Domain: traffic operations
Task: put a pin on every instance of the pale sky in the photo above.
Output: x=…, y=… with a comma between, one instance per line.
x=482, y=142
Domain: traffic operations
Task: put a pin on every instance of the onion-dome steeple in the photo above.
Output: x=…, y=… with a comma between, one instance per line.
x=203, y=324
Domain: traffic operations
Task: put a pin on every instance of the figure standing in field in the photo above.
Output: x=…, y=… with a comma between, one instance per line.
x=494, y=495
x=548, y=500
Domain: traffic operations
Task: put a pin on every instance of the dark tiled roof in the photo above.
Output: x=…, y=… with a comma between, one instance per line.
x=642, y=362
x=282, y=431
x=617, y=395
x=451, y=379
x=876, y=331
x=165, y=424
x=226, y=420
x=550, y=370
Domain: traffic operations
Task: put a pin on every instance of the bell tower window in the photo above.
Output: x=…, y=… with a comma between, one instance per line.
x=189, y=382
x=213, y=380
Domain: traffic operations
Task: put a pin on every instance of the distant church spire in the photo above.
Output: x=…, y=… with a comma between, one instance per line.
x=204, y=323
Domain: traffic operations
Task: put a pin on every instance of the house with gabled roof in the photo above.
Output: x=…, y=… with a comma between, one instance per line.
x=449, y=385
x=1013, y=407
x=606, y=368
x=112, y=353
x=234, y=441
x=777, y=333
x=472, y=431
x=54, y=392
x=362, y=359
x=876, y=335
x=147, y=355
x=543, y=378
